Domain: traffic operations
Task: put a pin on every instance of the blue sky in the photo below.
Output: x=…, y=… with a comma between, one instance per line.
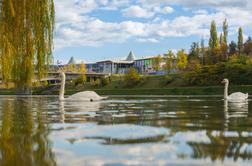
x=93, y=30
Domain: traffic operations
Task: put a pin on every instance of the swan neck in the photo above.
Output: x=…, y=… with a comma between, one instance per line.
x=62, y=88
x=226, y=91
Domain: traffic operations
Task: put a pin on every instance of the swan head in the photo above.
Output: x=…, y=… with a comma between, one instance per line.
x=224, y=81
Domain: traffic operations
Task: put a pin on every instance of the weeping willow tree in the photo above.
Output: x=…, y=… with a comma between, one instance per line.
x=26, y=28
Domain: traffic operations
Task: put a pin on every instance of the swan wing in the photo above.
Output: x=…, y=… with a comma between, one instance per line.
x=86, y=96
x=237, y=97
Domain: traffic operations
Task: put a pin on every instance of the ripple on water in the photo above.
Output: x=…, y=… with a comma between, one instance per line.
x=120, y=132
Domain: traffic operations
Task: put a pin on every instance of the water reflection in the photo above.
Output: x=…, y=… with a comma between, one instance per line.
x=24, y=140
x=235, y=109
x=76, y=111
x=125, y=131
x=227, y=143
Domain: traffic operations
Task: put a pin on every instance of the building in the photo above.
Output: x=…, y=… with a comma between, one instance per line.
x=116, y=66
x=92, y=68
x=71, y=61
x=143, y=65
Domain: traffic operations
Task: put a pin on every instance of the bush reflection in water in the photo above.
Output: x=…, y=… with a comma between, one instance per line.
x=131, y=131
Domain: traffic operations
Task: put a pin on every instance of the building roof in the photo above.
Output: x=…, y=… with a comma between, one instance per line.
x=131, y=57
x=145, y=58
x=116, y=61
x=71, y=61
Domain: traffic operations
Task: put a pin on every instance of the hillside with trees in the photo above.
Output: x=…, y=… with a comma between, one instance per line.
x=208, y=65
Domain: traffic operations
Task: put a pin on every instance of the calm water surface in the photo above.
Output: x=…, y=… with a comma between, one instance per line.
x=125, y=131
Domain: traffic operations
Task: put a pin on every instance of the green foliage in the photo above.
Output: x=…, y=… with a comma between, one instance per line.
x=203, y=51
x=223, y=42
x=221, y=39
x=156, y=63
x=80, y=80
x=169, y=61
x=105, y=81
x=82, y=68
x=242, y=59
x=194, y=65
x=238, y=70
x=169, y=78
x=240, y=41
x=182, y=60
x=224, y=52
x=248, y=47
x=95, y=83
x=213, y=41
x=225, y=32
x=208, y=75
x=232, y=48
x=26, y=28
x=194, y=51
x=131, y=78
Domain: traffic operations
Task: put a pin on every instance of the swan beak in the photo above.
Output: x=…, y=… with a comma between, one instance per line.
x=223, y=82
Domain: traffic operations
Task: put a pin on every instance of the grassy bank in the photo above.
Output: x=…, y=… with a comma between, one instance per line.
x=151, y=85
x=210, y=90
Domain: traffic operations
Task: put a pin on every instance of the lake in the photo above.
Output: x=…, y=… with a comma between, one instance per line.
x=152, y=130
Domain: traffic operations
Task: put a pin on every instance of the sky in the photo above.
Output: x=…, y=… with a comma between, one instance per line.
x=94, y=30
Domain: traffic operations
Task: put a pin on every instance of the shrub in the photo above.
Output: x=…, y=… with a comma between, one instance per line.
x=95, y=83
x=169, y=78
x=131, y=78
x=237, y=73
x=105, y=81
x=80, y=80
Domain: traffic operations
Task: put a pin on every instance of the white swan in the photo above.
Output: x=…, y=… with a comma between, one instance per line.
x=81, y=96
x=234, y=97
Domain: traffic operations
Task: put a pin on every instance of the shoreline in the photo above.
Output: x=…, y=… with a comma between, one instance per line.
x=214, y=91
x=118, y=96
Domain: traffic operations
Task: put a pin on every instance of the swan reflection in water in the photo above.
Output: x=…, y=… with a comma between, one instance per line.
x=78, y=110
x=235, y=110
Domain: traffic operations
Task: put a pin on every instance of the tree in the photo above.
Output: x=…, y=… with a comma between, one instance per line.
x=232, y=48
x=202, y=51
x=72, y=68
x=26, y=28
x=213, y=41
x=169, y=61
x=240, y=41
x=214, y=49
x=194, y=51
x=193, y=65
x=225, y=31
x=248, y=47
x=223, y=42
x=132, y=78
x=157, y=61
x=82, y=69
x=182, y=59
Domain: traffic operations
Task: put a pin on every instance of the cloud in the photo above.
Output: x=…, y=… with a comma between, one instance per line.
x=114, y=4
x=197, y=3
x=201, y=11
x=76, y=26
x=137, y=11
x=86, y=5
x=168, y=9
x=147, y=40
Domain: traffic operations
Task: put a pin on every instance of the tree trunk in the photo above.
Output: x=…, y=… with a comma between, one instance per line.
x=24, y=90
